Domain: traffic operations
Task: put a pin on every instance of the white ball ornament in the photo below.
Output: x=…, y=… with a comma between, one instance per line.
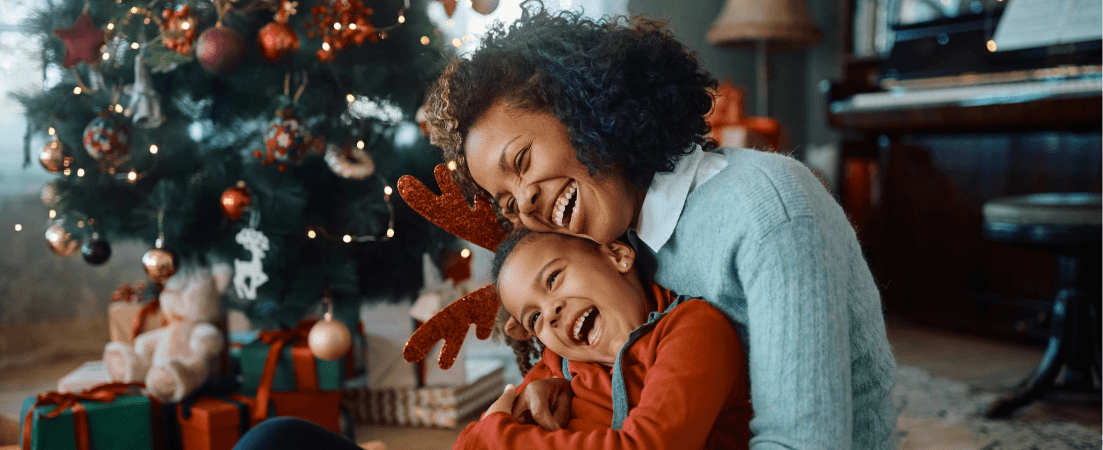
x=329, y=339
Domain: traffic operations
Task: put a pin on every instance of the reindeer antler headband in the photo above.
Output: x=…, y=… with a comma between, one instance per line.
x=479, y=226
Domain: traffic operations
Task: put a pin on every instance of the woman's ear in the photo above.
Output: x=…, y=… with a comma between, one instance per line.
x=515, y=330
x=621, y=254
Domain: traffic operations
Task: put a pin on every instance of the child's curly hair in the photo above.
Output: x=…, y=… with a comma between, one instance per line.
x=630, y=95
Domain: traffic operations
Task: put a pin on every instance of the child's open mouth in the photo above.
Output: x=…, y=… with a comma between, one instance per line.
x=585, y=329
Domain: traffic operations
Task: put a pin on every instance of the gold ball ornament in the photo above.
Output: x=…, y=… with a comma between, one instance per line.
x=60, y=241
x=484, y=7
x=160, y=264
x=54, y=156
x=329, y=339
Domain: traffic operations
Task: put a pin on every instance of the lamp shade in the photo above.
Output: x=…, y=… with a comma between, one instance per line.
x=785, y=22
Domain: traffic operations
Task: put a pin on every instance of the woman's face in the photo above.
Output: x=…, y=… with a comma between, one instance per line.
x=581, y=301
x=525, y=160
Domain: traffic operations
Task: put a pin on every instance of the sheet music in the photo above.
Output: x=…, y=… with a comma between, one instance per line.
x=1042, y=23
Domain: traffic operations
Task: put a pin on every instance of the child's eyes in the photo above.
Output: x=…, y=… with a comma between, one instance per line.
x=552, y=277
x=532, y=320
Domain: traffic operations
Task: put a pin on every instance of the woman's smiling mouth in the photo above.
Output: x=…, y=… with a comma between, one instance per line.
x=565, y=206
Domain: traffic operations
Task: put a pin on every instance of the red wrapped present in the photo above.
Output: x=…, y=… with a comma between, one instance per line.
x=210, y=422
x=320, y=407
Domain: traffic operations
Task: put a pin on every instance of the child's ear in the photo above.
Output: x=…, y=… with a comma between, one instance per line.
x=621, y=254
x=515, y=330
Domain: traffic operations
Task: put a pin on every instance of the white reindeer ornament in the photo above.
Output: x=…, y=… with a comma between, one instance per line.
x=249, y=275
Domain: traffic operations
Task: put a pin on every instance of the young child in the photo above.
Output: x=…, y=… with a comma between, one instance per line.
x=648, y=368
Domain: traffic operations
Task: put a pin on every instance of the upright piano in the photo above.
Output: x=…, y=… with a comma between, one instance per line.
x=949, y=120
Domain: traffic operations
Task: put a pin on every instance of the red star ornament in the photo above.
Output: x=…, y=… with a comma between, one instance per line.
x=82, y=42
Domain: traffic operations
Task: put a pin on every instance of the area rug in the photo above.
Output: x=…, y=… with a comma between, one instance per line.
x=939, y=413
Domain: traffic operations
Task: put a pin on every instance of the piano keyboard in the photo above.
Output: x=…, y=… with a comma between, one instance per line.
x=970, y=95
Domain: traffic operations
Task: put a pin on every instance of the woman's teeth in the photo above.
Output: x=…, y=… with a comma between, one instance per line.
x=561, y=204
x=578, y=325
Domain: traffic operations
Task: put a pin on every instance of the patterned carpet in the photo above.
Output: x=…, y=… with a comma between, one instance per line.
x=939, y=413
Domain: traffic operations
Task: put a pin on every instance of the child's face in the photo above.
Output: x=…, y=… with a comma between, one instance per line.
x=581, y=301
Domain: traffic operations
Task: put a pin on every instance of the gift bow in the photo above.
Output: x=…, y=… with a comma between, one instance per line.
x=151, y=307
x=104, y=393
x=276, y=340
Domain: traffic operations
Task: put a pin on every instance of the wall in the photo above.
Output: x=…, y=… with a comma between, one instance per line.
x=793, y=87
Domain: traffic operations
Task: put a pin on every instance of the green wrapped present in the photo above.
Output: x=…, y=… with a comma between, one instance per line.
x=104, y=417
x=290, y=363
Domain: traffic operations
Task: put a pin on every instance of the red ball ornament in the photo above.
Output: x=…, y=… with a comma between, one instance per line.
x=276, y=40
x=234, y=200
x=220, y=50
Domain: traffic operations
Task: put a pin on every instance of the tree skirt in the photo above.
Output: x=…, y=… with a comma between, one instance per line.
x=939, y=413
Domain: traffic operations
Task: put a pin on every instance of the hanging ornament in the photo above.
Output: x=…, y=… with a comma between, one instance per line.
x=484, y=7
x=329, y=339
x=55, y=156
x=340, y=24
x=160, y=264
x=234, y=200
x=286, y=141
x=220, y=50
x=49, y=195
x=96, y=251
x=145, y=103
x=449, y=6
x=249, y=275
x=276, y=39
x=107, y=139
x=178, y=29
x=352, y=163
x=59, y=240
x=82, y=42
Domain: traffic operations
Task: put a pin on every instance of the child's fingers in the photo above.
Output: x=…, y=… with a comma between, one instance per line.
x=503, y=403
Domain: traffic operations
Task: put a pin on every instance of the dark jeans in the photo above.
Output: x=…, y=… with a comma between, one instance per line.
x=292, y=433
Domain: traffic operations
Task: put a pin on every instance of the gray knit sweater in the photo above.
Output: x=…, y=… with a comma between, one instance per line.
x=767, y=244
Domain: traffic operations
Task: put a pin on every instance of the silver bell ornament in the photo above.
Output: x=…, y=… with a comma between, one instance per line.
x=145, y=103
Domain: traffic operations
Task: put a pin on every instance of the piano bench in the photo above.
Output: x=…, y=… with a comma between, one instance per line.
x=1070, y=226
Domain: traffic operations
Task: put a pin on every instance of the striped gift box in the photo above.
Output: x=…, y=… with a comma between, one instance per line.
x=427, y=407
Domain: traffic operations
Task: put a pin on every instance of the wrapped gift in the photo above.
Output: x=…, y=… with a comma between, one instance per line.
x=320, y=407
x=89, y=374
x=432, y=406
x=104, y=417
x=283, y=355
x=208, y=422
x=128, y=320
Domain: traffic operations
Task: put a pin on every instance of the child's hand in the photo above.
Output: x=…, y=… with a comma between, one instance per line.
x=546, y=402
x=503, y=403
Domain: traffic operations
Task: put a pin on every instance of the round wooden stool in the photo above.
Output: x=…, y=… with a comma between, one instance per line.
x=1071, y=226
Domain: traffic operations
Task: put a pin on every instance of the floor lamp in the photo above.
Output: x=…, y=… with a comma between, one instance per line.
x=785, y=23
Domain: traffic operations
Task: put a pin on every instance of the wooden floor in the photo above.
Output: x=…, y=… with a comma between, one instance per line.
x=32, y=358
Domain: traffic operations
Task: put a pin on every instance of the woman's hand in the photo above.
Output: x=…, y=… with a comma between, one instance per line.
x=546, y=403
x=503, y=403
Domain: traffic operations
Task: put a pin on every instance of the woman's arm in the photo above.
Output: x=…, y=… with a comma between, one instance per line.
x=798, y=330
x=698, y=364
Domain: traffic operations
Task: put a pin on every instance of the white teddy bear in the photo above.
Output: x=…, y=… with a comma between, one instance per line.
x=177, y=358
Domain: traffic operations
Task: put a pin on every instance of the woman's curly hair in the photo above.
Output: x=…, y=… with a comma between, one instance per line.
x=630, y=95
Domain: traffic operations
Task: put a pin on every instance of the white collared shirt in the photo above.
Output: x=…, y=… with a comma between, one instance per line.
x=668, y=192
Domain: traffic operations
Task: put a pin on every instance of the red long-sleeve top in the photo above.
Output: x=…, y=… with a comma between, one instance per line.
x=687, y=388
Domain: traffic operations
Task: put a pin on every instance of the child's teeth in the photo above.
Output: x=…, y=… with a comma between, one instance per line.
x=578, y=324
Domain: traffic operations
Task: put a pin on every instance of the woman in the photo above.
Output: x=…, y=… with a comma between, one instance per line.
x=595, y=129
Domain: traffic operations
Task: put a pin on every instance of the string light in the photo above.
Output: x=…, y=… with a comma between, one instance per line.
x=134, y=10
x=66, y=172
x=111, y=26
x=80, y=172
x=451, y=22
x=466, y=38
x=425, y=40
x=76, y=90
x=106, y=56
x=325, y=46
x=991, y=45
x=351, y=98
x=401, y=18
x=18, y=227
x=352, y=26
x=185, y=25
x=360, y=144
x=119, y=108
x=465, y=253
x=132, y=176
x=53, y=214
x=347, y=239
x=456, y=42
x=134, y=46
x=153, y=149
x=311, y=234
x=390, y=232
x=387, y=190
x=451, y=165
x=52, y=131
x=337, y=26
x=80, y=224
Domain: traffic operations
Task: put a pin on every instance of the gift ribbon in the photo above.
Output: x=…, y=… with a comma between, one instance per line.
x=306, y=373
x=104, y=393
x=148, y=309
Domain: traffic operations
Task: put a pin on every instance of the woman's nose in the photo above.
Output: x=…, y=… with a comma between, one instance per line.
x=526, y=200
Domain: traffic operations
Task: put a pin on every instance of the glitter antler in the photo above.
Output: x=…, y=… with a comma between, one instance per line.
x=479, y=226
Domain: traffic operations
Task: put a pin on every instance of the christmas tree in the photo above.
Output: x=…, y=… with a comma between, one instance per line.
x=266, y=134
